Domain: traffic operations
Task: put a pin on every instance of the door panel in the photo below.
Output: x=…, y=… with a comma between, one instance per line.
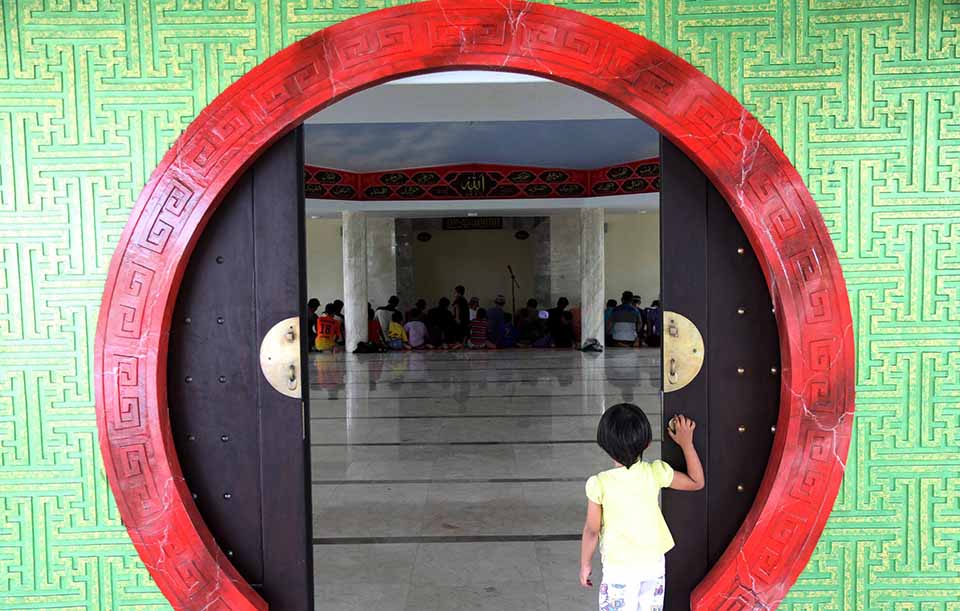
x=711, y=275
x=743, y=406
x=241, y=444
x=683, y=282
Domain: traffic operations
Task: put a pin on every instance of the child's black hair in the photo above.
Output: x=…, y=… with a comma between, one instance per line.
x=624, y=433
x=329, y=309
x=397, y=316
x=481, y=314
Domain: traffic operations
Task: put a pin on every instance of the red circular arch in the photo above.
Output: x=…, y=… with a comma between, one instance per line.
x=765, y=192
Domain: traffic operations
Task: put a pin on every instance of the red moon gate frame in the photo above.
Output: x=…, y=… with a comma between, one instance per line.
x=729, y=145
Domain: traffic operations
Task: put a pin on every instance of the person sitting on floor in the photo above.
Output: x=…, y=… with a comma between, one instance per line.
x=478, y=332
x=312, y=317
x=416, y=330
x=653, y=317
x=544, y=340
x=495, y=318
x=329, y=331
x=555, y=315
x=384, y=313
x=461, y=314
x=564, y=335
x=626, y=322
x=530, y=310
x=509, y=337
x=338, y=314
x=638, y=304
x=607, y=322
x=529, y=325
x=374, y=330
x=396, y=334
x=420, y=307
x=442, y=327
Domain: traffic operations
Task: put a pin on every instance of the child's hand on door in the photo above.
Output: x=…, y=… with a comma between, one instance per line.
x=680, y=428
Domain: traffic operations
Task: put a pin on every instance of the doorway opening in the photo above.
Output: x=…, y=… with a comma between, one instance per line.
x=453, y=477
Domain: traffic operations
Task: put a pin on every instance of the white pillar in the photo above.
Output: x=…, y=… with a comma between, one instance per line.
x=381, y=260
x=591, y=274
x=355, y=277
x=564, y=258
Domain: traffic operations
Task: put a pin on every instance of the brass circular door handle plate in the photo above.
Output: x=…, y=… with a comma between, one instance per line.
x=682, y=351
x=280, y=357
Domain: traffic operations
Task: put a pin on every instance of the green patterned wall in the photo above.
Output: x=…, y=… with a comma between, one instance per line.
x=864, y=97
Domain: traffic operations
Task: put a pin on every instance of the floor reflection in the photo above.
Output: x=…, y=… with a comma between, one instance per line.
x=454, y=480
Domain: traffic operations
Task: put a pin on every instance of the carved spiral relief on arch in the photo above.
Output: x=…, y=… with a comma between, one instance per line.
x=765, y=192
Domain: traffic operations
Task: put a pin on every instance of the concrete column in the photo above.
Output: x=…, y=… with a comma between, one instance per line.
x=540, y=234
x=564, y=258
x=355, y=277
x=406, y=281
x=381, y=259
x=591, y=274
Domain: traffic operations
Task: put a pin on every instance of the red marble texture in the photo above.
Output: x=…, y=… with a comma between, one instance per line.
x=765, y=192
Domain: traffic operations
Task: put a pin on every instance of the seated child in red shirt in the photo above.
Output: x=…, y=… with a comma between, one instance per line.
x=478, y=332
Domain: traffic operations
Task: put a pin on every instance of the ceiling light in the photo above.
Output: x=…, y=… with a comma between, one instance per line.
x=473, y=214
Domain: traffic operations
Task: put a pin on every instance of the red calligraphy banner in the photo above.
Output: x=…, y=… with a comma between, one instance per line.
x=482, y=181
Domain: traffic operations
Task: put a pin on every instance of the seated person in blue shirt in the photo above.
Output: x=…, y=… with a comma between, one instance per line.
x=626, y=322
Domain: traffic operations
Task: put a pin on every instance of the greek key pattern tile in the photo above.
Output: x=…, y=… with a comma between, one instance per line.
x=863, y=97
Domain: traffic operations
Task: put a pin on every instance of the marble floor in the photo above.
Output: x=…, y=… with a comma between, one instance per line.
x=454, y=480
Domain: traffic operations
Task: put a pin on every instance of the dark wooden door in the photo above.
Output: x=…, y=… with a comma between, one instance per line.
x=711, y=276
x=242, y=445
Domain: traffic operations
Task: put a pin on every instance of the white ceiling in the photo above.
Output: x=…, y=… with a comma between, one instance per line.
x=476, y=117
x=468, y=95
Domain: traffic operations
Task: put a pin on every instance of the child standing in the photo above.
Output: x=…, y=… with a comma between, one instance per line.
x=623, y=513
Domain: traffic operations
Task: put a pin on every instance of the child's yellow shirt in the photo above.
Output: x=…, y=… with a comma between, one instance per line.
x=395, y=331
x=633, y=532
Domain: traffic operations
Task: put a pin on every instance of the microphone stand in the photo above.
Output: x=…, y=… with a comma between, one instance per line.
x=514, y=285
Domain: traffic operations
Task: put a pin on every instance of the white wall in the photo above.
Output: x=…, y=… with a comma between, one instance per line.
x=632, y=252
x=324, y=260
x=478, y=260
